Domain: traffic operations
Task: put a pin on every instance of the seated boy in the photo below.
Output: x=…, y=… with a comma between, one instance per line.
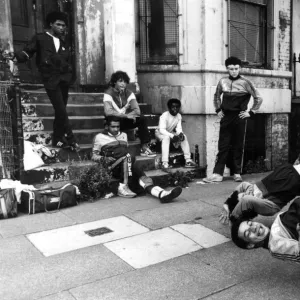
x=119, y=101
x=170, y=130
x=112, y=146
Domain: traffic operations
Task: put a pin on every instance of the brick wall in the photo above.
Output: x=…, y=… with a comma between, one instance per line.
x=283, y=45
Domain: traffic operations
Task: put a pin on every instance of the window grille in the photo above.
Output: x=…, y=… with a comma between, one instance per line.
x=158, y=31
x=250, y=32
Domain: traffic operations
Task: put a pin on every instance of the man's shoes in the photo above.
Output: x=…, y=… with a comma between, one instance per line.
x=147, y=152
x=124, y=191
x=165, y=167
x=168, y=196
x=237, y=178
x=190, y=164
x=213, y=178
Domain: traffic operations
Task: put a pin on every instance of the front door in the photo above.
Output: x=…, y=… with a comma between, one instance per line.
x=28, y=18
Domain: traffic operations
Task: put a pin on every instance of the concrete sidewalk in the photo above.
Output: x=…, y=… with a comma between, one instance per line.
x=150, y=251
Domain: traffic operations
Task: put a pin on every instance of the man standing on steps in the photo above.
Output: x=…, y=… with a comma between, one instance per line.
x=121, y=102
x=237, y=91
x=111, y=146
x=54, y=63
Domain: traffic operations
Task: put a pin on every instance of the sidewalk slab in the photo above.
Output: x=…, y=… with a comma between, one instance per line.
x=245, y=264
x=60, y=273
x=108, y=208
x=71, y=238
x=152, y=247
x=203, y=236
x=183, y=278
x=33, y=223
x=172, y=214
x=17, y=251
x=59, y=296
x=280, y=286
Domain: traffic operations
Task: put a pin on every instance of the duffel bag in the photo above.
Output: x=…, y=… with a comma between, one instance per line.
x=48, y=200
x=8, y=204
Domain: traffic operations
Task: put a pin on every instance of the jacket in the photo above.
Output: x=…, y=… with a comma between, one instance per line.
x=107, y=145
x=54, y=66
x=236, y=95
x=120, y=104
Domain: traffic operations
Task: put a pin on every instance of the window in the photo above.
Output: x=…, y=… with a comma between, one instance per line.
x=250, y=32
x=158, y=31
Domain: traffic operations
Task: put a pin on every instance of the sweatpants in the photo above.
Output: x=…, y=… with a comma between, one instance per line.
x=232, y=132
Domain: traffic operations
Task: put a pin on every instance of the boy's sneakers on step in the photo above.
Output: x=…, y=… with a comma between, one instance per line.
x=145, y=151
x=124, y=191
x=168, y=196
x=165, y=167
x=190, y=164
x=213, y=178
x=237, y=178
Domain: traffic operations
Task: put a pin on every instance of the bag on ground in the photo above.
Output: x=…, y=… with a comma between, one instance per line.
x=48, y=200
x=8, y=204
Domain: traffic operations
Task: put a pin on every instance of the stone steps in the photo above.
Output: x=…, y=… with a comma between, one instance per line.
x=57, y=173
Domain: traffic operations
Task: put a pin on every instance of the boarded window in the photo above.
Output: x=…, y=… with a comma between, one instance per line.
x=250, y=32
x=158, y=31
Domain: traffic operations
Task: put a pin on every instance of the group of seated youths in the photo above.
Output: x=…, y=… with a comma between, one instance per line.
x=122, y=112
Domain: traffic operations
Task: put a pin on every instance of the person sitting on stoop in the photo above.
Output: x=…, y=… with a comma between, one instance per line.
x=121, y=102
x=170, y=130
x=112, y=146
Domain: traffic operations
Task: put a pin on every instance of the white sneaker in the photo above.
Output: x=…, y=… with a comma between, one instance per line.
x=237, y=178
x=124, y=191
x=213, y=178
x=168, y=196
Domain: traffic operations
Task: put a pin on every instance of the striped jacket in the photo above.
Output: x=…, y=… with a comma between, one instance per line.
x=120, y=104
x=236, y=95
x=107, y=145
x=281, y=244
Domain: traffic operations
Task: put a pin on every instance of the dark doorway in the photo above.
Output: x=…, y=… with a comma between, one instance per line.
x=255, y=146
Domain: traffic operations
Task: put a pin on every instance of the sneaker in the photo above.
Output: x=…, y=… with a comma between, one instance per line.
x=213, y=178
x=165, y=167
x=168, y=196
x=124, y=191
x=147, y=152
x=237, y=178
x=190, y=164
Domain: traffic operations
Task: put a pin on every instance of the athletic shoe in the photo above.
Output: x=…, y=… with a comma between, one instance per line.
x=147, y=152
x=190, y=164
x=124, y=191
x=168, y=196
x=237, y=178
x=213, y=178
x=165, y=167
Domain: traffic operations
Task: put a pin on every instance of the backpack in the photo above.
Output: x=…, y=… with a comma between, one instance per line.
x=8, y=204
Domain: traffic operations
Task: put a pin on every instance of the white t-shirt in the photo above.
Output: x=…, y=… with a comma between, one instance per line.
x=169, y=124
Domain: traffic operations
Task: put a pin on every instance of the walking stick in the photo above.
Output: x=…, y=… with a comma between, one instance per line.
x=244, y=141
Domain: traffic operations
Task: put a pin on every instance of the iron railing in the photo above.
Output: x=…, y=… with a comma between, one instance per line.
x=11, y=129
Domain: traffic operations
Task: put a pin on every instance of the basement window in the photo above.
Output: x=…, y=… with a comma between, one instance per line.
x=250, y=32
x=158, y=32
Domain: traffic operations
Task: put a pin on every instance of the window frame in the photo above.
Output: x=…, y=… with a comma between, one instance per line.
x=269, y=36
x=143, y=49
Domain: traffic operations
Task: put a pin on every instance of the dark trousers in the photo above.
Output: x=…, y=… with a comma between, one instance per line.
x=291, y=218
x=232, y=132
x=61, y=125
x=141, y=124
